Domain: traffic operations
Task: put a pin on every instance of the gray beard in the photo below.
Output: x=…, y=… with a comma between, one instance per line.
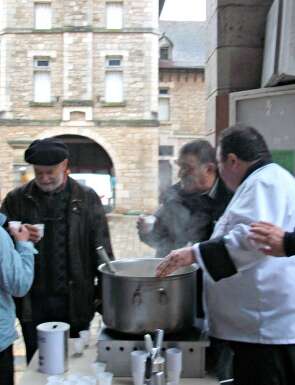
x=51, y=187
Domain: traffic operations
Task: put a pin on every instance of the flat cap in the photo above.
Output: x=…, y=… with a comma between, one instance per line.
x=46, y=152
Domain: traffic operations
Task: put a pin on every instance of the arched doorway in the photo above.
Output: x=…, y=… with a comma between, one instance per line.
x=90, y=164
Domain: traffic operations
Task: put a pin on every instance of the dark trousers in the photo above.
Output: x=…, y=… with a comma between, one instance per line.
x=6, y=367
x=219, y=359
x=259, y=364
x=46, y=309
x=30, y=336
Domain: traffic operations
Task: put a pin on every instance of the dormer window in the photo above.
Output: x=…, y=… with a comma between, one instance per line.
x=164, y=53
x=166, y=46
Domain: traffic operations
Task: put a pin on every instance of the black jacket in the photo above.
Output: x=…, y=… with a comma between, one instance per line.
x=87, y=229
x=184, y=218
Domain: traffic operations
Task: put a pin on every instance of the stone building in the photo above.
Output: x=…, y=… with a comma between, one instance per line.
x=87, y=71
x=181, y=91
x=251, y=70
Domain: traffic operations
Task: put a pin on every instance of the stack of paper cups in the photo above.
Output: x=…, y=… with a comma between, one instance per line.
x=53, y=347
x=173, y=365
x=138, y=359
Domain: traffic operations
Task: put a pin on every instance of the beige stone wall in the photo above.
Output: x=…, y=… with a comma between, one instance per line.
x=21, y=50
x=78, y=71
x=77, y=45
x=187, y=101
x=134, y=152
x=187, y=96
x=82, y=13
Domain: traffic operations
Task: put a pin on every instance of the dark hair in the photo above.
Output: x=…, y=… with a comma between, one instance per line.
x=200, y=148
x=245, y=142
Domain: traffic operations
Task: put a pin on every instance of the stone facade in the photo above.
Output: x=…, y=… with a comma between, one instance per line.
x=187, y=109
x=77, y=46
x=182, y=89
x=234, y=54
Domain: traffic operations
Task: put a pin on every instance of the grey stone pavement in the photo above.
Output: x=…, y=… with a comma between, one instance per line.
x=125, y=244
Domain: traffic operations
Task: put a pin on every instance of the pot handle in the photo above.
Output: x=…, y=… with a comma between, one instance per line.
x=163, y=298
x=136, y=299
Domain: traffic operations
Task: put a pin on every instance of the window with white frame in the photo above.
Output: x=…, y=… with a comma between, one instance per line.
x=114, y=15
x=43, y=15
x=164, y=104
x=42, y=80
x=114, y=92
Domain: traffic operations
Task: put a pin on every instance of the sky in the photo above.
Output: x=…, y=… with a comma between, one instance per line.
x=184, y=10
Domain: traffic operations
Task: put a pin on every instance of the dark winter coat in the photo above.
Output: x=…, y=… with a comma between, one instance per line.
x=185, y=218
x=87, y=229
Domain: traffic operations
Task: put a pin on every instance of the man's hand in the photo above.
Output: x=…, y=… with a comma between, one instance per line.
x=271, y=238
x=22, y=234
x=34, y=233
x=176, y=259
x=145, y=223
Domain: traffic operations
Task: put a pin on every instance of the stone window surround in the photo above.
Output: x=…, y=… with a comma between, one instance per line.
x=165, y=96
x=41, y=2
x=109, y=54
x=123, y=13
x=50, y=55
x=66, y=113
x=165, y=42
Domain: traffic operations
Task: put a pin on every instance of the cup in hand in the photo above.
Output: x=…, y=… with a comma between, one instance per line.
x=148, y=223
x=173, y=364
x=138, y=360
x=15, y=225
x=40, y=227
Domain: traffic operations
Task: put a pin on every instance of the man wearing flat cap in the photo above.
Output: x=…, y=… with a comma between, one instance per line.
x=64, y=287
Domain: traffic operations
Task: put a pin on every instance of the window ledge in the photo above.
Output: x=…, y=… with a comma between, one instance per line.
x=77, y=103
x=113, y=104
x=42, y=104
x=114, y=29
x=40, y=30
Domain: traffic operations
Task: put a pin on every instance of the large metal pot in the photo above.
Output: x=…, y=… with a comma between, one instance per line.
x=137, y=302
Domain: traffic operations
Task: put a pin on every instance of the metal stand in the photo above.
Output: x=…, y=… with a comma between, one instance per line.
x=114, y=348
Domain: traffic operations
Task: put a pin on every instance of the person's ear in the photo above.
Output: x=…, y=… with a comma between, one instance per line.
x=65, y=164
x=211, y=167
x=232, y=159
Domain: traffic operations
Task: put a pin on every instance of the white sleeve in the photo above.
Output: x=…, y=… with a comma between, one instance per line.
x=230, y=250
x=259, y=202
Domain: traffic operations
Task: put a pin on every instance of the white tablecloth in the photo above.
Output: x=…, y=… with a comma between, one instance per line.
x=82, y=365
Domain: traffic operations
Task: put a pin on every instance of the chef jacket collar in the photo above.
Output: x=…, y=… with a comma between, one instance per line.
x=254, y=167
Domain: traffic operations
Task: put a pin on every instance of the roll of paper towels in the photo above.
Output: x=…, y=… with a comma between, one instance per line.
x=53, y=347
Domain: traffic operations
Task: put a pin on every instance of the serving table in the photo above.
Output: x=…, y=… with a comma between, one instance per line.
x=82, y=365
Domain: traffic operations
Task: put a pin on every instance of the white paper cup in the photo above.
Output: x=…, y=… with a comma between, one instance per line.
x=85, y=335
x=78, y=345
x=40, y=227
x=15, y=225
x=173, y=364
x=138, y=360
x=149, y=222
x=104, y=378
x=98, y=367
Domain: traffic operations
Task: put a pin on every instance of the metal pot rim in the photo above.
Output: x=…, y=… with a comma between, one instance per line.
x=102, y=268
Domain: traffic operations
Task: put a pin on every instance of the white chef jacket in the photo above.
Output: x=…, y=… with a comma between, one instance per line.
x=255, y=299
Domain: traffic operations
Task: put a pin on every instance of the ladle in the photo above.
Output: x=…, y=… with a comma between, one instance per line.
x=104, y=256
